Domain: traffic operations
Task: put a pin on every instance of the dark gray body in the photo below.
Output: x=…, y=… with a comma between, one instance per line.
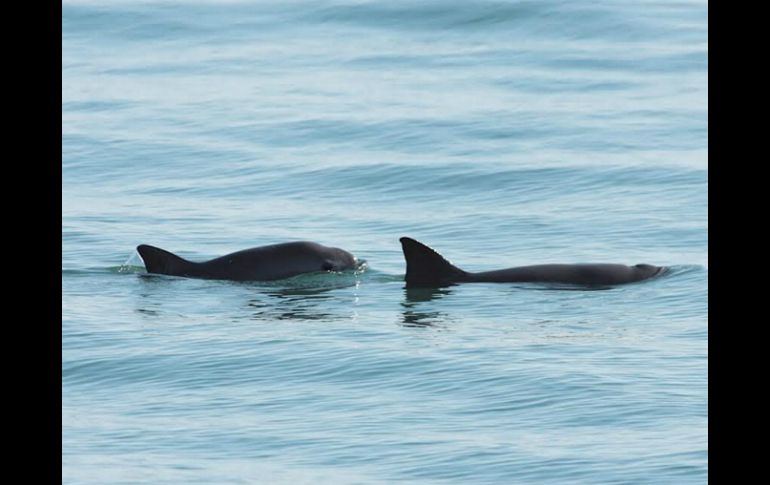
x=426, y=267
x=265, y=263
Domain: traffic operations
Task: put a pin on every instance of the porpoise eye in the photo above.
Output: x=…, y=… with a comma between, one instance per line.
x=327, y=266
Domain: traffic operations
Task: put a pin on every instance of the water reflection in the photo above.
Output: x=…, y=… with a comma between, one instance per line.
x=414, y=314
x=313, y=297
x=291, y=303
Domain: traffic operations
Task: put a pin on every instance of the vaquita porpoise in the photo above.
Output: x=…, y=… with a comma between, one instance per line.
x=264, y=263
x=426, y=267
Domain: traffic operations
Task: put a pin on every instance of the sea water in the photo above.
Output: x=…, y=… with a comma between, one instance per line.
x=501, y=133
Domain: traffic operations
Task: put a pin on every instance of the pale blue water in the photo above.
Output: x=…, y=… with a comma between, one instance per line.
x=501, y=133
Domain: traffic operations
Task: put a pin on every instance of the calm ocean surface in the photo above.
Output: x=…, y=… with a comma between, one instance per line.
x=501, y=133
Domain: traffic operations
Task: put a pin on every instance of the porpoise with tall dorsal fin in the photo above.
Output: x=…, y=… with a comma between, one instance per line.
x=425, y=267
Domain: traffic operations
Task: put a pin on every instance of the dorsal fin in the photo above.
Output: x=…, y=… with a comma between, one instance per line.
x=160, y=261
x=426, y=267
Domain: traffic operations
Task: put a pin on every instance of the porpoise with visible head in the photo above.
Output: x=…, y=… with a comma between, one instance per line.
x=264, y=263
x=426, y=267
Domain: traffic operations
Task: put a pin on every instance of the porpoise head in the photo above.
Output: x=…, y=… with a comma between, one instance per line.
x=644, y=271
x=342, y=260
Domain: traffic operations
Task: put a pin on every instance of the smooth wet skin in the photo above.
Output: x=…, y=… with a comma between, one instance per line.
x=426, y=267
x=264, y=263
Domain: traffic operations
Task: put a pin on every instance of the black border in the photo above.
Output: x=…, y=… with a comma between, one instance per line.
x=54, y=157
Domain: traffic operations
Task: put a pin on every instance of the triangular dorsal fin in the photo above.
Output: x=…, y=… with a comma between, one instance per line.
x=160, y=261
x=426, y=267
